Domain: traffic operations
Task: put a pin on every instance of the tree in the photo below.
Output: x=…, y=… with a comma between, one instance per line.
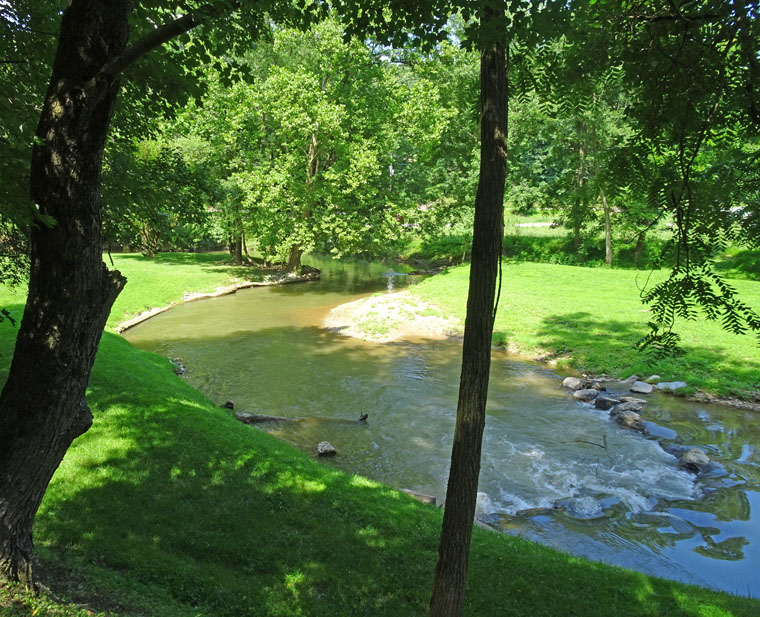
x=22, y=83
x=313, y=155
x=570, y=126
x=461, y=493
x=151, y=192
x=70, y=289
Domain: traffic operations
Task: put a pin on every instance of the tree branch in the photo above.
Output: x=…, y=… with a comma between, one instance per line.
x=158, y=37
x=675, y=17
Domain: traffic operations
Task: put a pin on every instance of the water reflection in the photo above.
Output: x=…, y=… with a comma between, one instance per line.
x=554, y=470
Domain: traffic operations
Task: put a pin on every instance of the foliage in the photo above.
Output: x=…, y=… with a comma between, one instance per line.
x=152, y=196
x=700, y=139
x=312, y=157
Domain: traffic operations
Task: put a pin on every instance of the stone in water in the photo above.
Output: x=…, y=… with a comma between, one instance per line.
x=641, y=387
x=325, y=448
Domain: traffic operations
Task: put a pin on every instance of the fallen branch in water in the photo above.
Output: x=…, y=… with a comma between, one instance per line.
x=591, y=443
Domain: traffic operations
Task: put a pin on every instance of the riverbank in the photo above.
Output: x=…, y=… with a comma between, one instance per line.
x=170, y=507
x=157, y=284
x=279, y=278
x=587, y=320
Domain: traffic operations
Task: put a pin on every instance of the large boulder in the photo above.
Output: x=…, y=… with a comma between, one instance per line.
x=641, y=387
x=694, y=460
x=574, y=383
x=629, y=406
x=631, y=380
x=325, y=448
x=585, y=395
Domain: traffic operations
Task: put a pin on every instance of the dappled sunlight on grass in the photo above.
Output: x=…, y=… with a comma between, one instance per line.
x=289, y=480
x=362, y=482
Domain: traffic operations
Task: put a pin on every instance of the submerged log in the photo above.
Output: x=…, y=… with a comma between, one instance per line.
x=256, y=418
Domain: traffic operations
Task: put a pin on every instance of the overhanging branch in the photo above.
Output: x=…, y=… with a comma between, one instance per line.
x=158, y=37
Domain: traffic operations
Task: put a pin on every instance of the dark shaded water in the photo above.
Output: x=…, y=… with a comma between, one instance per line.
x=544, y=474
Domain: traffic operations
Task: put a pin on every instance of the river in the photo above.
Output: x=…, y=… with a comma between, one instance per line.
x=546, y=474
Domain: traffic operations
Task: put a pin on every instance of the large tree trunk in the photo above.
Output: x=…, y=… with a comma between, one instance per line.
x=42, y=406
x=237, y=249
x=294, y=259
x=453, y=552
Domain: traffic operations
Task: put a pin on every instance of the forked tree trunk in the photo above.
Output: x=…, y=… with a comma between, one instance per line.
x=42, y=406
x=453, y=552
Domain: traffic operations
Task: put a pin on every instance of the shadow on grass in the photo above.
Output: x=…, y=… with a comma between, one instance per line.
x=219, y=262
x=608, y=346
x=744, y=264
x=169, y=505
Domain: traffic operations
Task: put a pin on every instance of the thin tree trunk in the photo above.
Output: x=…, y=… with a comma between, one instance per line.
x=639, y=248
x=42, y=406
x=453, y=553
x=245, y=249
x=607, y=230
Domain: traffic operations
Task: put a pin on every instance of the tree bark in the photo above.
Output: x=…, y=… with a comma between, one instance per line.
x=294, y=259
x=451, y=569
x=42, y=405
x=237, y=249
x=639, y=248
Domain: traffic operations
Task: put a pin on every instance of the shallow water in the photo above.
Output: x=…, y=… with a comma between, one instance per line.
x=546, y=473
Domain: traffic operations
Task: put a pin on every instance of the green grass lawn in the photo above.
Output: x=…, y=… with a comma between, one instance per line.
x=158, y=282
x=170, y=507
x=590, y=318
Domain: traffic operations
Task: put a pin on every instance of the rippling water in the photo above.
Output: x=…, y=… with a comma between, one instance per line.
x=554, y=470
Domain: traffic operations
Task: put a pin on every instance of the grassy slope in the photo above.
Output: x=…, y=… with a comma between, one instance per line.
x=169, y=507
x=591, y=317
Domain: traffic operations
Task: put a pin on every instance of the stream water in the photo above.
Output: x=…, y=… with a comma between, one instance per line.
x=545, y=472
